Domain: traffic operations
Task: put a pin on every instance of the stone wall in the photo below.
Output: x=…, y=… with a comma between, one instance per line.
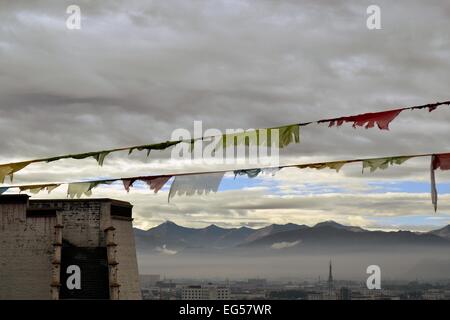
x=26, y=244
x=127, y=273
x=81, y=220
x=26, y=252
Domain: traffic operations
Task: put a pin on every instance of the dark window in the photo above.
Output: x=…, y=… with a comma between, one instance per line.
x=121, y=211
x=94, y=272
x=37, y=213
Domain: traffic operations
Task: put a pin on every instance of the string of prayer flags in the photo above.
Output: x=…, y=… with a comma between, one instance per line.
x=383, y=163
x=430, y=106
x=155, y=183
x=336, y=165
x=235, y=139
x=10, y=168
x=155, y=146
x=77, y=189
x=247, y=138
x=195, y=184
x=434, y=194
x=251, y=173
x=288, y=135
x=270, y=171
x=381, y=119
x=438, y=161
x=128, y=183
x=38, y=188
x=441, y=161
x=100, y=157
x=200, y=183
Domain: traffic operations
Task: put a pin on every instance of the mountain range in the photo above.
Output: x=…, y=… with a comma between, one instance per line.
x=289, y=237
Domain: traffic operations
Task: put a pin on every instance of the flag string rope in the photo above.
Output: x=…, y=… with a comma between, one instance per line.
x=301, y=165
x=367, y=118
x=190, y=183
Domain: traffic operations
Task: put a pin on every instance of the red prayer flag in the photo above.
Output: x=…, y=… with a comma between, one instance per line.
x=381, y=119
x=156, y=183
x=441, y=161
x=127, y=183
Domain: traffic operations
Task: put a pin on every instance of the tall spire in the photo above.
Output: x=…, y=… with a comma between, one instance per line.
x=330, y=279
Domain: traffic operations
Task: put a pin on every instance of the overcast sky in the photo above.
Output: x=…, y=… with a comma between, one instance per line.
x=137, y=70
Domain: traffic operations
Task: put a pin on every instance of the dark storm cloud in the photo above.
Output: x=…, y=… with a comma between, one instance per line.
x=137, y=70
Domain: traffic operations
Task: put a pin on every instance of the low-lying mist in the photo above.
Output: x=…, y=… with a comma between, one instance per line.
x=412, y=264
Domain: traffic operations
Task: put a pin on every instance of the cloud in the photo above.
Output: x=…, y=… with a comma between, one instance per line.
x=166, y=251
x=138, y=70
x=259, y=207
x=284, y=245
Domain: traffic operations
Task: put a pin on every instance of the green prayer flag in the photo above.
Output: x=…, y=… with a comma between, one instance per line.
x=38, y=188
x=383, y=163
x=77, y=189
x=251, y=173
x=156, y=146
x=336, y=165
x=288, y=135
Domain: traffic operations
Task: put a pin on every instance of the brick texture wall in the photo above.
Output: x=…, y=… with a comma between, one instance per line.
x=26, y=245
x=127, y=274
x=81, y=220
x=25, y=254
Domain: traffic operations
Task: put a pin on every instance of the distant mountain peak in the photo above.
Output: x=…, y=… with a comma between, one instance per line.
x=168, y=226
x=442, y=232
x=331, y=223
x=327, y=233
x=334, y=224
x=213, y=227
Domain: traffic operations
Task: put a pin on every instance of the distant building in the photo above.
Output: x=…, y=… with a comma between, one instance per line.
x=315, y=296
x=149, y=280
x=153, y=293
x=434, y=294
x=330, y=280
x=44, y=244
x=324, y=293
x=345, y=294
x=257, y=282
x=374, y=294
x=248, y=296
x=208, y=292
x=166, y=284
